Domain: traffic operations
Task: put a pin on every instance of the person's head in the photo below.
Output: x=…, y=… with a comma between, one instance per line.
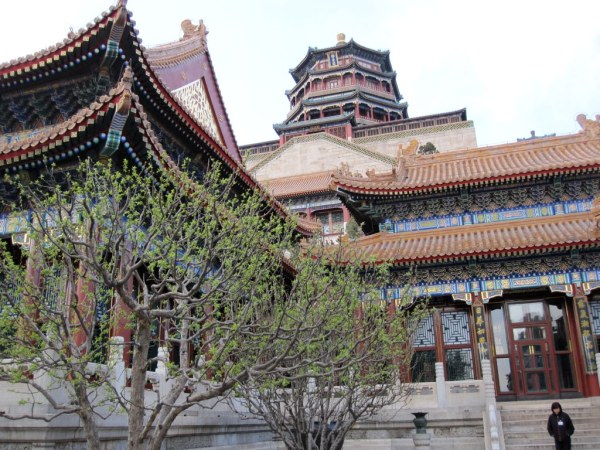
x=556, y=408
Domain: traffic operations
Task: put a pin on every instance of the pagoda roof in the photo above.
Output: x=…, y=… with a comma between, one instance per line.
x=68, y=138
x=345, y=68
x=114, y=30
x=30, y=148
x=354, y=92
x=535, y=235
x=91, y=127
x=315, y=54
x=339, y=118
x=480, y=166
x=351, y=47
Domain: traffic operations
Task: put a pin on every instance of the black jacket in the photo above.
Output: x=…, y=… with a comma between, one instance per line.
x=560, y=426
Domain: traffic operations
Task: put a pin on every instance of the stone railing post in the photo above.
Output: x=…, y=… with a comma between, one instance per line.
x=116, y=364
x=490, y=406
x=440, y=382
x=598, y=366
x=162, y=372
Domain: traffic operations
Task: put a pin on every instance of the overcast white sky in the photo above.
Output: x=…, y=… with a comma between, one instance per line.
x=515, y=65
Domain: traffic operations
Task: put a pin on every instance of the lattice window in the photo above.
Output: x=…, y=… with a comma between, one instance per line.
x=423, y=360
x=424, y=335
x=595, y=311
x=332, y=221
x=423, y=366
x=459, y=364
x=457, y=345
x=54, y=285
x=456, y=327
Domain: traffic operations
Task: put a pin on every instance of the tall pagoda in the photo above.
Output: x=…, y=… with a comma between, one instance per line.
x=340, y=87
x=345, y=110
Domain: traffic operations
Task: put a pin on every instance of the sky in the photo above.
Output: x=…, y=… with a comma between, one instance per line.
x=516, y=65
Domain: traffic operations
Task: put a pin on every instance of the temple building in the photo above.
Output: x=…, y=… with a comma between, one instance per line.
x=345, y=109
x=100, y=94
x=503, y=242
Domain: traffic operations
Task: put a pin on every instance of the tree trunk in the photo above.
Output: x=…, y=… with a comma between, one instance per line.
x=87, y=417
x=138, y=383
x=167, y=415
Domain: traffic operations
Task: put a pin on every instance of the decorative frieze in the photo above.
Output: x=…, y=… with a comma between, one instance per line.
x=560, y=197
x=425, y=222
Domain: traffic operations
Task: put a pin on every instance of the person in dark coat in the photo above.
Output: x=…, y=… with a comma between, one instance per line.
x=560, y=427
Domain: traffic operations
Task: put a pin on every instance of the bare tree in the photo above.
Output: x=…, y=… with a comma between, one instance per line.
x=346, y=351
x=191, y=266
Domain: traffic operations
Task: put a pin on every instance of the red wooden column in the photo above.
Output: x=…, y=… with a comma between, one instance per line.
x=122, y=320
x=482, y=346
x=346, y=213
x=481, y=350
x=84, y=292
x=32, y=278
x=585, y=356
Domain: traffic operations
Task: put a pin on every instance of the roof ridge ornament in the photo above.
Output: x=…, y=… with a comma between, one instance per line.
x=406, y=157
x=589, y=128
x=190, y=30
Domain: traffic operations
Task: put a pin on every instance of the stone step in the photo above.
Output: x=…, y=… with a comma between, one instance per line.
x=541, y=436
x=549, y=445
x=524, y=424
x=536, y=405
x=532, y=424
x=578, y=412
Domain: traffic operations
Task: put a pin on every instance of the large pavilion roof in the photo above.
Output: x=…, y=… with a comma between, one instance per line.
x=145, y=89
x=480, y=241
x=481, y=166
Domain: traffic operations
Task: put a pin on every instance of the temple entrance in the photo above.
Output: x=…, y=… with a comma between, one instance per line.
x=533, y=356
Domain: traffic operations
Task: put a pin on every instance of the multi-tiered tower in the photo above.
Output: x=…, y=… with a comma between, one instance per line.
x=341, y=87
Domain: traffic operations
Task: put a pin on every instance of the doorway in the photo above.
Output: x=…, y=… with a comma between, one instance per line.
x=533, y=352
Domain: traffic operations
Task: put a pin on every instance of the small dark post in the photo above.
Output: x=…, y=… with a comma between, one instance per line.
x=420, y=422
x=421, y=438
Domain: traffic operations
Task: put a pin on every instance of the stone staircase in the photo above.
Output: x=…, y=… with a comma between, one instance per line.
x=524, y=424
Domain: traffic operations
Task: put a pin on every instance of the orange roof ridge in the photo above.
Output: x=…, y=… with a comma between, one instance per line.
x=300, y=177
x=298, y=184
x=538, y=234
x=484, y=164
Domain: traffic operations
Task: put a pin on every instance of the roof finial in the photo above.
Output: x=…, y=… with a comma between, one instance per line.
x=190, y=30
x=341, y=39
x=589, y=127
